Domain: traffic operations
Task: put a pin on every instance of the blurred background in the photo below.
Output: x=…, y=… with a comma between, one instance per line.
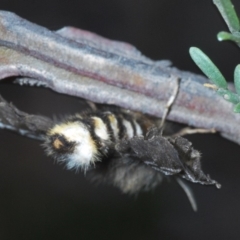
x=41, y=200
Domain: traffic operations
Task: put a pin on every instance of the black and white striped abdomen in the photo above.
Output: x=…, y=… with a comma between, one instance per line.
x=83, y=139
x=121, y=125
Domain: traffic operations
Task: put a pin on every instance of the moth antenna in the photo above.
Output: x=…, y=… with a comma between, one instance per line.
x=189, y=193
x=169, y=104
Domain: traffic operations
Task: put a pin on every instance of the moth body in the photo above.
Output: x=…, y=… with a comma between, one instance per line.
x=84, y=139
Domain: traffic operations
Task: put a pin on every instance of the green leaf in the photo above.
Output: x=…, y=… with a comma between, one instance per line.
x=228, y=95
x=228, y=13
x=237, y=108
x=208, y=67
x=237, y=79
x=228, y=36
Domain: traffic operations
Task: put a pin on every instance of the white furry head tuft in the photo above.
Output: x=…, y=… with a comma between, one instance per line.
x=71, y=143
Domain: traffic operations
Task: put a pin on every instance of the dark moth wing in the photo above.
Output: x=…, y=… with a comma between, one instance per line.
x=170, y=156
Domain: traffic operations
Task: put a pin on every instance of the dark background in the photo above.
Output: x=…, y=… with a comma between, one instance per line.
x=41, y=200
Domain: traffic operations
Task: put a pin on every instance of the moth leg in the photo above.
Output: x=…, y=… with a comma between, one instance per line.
x=188, y=130
x=170, y=103
x=92, y=106
x=188, y=192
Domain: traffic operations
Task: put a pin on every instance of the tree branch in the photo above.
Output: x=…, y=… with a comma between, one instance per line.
x=33, y=126
x=82, y=64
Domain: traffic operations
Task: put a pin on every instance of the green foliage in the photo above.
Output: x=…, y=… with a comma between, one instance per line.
x=222, y=36
x=208, y=67
x=237, y=108
x=228, y=95
x=228, y=13
x=237, y=79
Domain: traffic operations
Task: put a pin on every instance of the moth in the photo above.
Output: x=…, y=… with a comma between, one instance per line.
x=125, y=149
